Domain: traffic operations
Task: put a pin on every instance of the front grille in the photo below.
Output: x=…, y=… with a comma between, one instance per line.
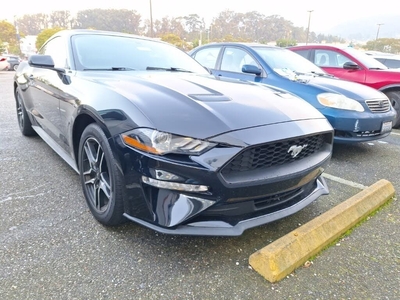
x=273, y=154
x=378, y=106
x=277, y=199
x=251, y=208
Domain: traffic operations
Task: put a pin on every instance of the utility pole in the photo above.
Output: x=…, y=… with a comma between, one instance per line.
x=377, y=32
x=151, y=20
x=309, y=21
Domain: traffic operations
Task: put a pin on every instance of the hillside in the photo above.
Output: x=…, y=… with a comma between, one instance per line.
x=365, y=29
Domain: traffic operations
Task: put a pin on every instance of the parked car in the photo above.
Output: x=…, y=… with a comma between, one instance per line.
x=13, y=61
x=357, y=113
x=392, y=61
x=351, y=64
x=157, y=140
x=4, y=65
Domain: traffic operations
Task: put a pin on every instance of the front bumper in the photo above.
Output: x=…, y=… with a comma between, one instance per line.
x=354, y=127
x=238, y=196
x=222, y=228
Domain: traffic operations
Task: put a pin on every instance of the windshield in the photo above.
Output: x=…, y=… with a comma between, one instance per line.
x=285, y=62
x=365, y=59
x=115, y=53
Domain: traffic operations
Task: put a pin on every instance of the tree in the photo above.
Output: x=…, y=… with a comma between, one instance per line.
x=45, y=35
x=2, y=47
x=285, y=43
x=388, y=45
x=8, y=34
x=33, y=24
x=121, y=20
x=175, y=40
x=61, y=18
x=169, y=25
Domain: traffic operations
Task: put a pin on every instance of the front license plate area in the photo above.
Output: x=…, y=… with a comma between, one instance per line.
x=386, y=127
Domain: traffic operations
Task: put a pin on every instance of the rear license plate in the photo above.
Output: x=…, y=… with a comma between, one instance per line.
x=386, y=127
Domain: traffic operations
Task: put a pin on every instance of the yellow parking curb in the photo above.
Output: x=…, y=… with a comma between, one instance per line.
x=278, y=259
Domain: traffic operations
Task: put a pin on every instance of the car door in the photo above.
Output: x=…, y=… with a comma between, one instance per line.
x=46, y=90
x=333, y=62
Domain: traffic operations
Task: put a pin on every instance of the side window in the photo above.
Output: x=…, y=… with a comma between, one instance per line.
x=208, y=56
x=324, y=58
x=341, y=59
x=56, y=49
x=321, y=59
x=392, y=63
x=233, y=60
x=329, y=58
x=304, y=53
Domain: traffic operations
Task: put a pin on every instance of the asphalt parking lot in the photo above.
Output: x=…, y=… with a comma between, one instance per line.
x=52, y=248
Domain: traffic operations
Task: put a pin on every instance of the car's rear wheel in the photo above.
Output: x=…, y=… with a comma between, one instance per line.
x=15, y=67
x=394, y=97
x=100, y=178
x=25, y=125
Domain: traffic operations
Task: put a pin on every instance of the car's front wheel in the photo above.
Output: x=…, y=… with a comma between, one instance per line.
x=394, y=97
x=100, y=178
x=25, y=125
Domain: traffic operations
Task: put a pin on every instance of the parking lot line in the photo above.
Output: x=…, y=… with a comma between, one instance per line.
x=395, y=133
x=344, y=181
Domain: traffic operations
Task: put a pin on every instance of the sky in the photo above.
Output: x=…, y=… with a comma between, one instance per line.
x=324, y=15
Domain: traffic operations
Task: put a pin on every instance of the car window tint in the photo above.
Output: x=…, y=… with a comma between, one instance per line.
x=56, y=49
x=233, y=59
x=285, y=62
x=107, y=52
x=303, y=53
x=329, y=58
x=208, y=56
x=392, y=63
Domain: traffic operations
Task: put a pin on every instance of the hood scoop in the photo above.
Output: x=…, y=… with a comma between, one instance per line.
x=209, y=97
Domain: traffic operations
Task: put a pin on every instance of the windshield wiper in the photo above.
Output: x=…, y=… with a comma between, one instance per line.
x=111, y=69
x=322, y=74
x=172, y=69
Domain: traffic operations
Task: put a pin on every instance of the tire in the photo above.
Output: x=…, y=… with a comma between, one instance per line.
x=25, y=125
x=394, y=97
x=101, y=180
x=15, y=67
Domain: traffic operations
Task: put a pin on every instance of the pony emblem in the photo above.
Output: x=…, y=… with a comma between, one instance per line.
x=295, y=150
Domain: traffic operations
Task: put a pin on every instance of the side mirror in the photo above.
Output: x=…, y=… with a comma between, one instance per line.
x=44, y=62
x=349, y=65
x=251, y=69
x=41, y=61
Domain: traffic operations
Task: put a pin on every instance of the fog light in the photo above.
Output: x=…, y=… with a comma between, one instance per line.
x=174, y=185
x=164, y=175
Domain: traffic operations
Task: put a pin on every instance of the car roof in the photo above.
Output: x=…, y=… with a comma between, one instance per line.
x=386, y=56
x=248, y=44
x=72, y=32
x=321, y=46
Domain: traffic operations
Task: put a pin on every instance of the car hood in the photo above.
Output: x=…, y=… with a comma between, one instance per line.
x=204, y=106
x=350, y=89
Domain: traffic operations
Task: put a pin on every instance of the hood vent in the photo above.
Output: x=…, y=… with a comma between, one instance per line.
x=209, y=97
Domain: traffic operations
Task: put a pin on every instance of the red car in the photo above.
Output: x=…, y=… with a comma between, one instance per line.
x=354, y=65
x=4, y=65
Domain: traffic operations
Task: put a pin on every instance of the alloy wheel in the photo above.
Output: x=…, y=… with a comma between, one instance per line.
x=96, y=175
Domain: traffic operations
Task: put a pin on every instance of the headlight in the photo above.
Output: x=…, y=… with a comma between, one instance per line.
x=339, y=101
x=160, y=143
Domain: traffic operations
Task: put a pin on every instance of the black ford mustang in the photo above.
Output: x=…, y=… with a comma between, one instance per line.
x=158, y=140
